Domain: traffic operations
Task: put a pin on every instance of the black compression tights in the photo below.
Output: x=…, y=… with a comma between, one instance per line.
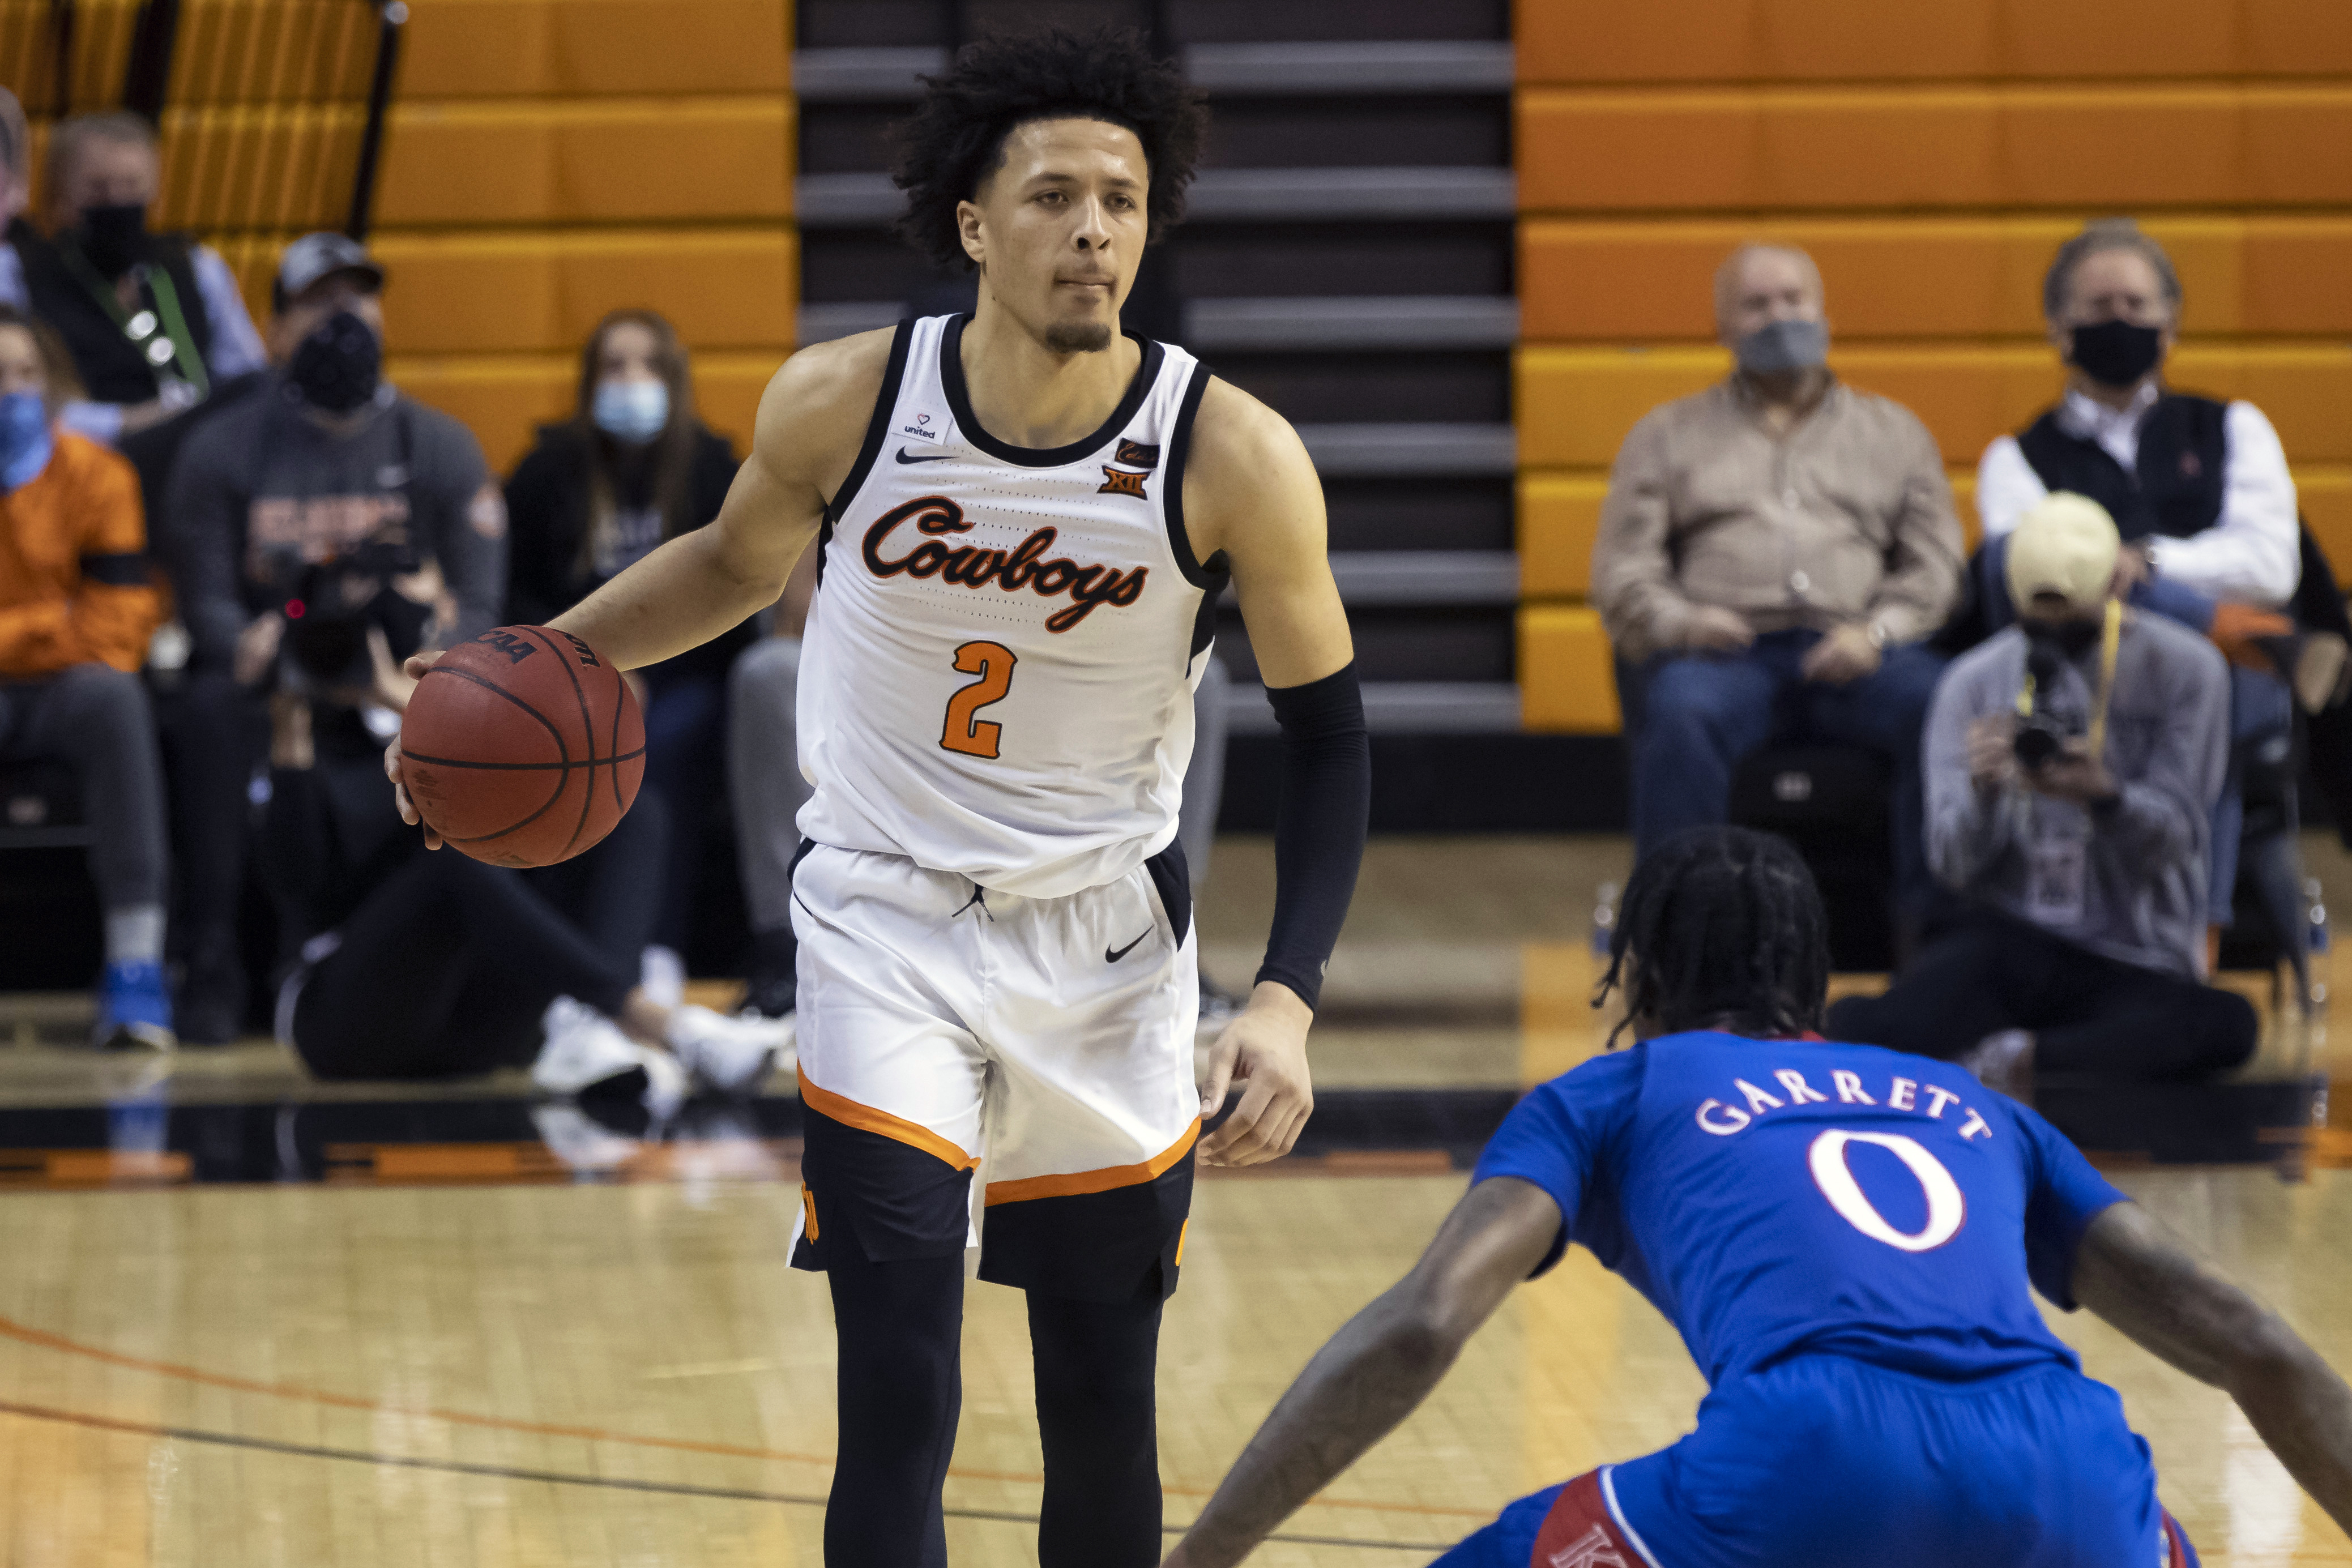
x=901, y=1390
x=1095, y=1368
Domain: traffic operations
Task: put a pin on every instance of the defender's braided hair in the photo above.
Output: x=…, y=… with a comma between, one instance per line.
x=955, y=139
x=1726, y=932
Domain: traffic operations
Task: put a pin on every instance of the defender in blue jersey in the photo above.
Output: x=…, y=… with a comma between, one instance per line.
x=1845, y=1237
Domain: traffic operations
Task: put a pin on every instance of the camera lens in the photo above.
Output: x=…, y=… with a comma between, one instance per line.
x=2036, y=744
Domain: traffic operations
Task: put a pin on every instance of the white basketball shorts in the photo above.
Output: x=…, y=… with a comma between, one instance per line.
x=982, y=1070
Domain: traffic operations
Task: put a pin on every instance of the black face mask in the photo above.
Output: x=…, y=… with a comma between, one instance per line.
x=113, y=238
x=337, y=366
x=2116, y=353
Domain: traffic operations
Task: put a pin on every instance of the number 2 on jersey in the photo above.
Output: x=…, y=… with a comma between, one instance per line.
x=965, y=731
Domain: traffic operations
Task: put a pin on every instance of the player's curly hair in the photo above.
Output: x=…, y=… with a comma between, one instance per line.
x=955, y=136
x=1726, y=931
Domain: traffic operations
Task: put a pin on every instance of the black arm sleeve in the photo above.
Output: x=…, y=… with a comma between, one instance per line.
x=1318, y=827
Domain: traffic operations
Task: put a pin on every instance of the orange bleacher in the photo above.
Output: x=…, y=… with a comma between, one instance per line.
x=549, y=161
x=1931, y=158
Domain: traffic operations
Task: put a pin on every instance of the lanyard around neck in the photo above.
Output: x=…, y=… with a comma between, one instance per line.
x=142, y=329
x=2111, y=637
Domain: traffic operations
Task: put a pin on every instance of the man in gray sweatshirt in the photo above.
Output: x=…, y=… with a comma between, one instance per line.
x=2071, y=765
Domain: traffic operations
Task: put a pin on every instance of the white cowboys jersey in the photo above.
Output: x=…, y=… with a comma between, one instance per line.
x=997, y=674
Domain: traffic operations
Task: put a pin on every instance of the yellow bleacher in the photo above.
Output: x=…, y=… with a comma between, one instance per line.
x=1931, y=158
x=549, y=161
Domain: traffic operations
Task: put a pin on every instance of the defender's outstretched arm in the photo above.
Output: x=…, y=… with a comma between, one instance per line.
x=1377, y=1369
x=2134, y=1273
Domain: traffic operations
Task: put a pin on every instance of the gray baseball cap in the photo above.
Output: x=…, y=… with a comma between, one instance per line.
x=318, y=256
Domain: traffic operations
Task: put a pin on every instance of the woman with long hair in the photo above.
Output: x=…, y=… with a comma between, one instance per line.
x=631, y=469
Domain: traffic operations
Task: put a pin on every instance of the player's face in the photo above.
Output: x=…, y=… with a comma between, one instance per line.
x=1058, y=229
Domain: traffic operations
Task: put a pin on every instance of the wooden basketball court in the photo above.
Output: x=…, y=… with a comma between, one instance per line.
x=231, y=1334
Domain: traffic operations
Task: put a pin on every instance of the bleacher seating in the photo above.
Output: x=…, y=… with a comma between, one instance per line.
x=1931, y=159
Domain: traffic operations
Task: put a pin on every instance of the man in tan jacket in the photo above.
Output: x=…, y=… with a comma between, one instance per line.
x=1772, y=553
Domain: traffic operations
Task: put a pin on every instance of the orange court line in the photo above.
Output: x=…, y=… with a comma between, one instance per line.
x=43, y=1339
x=867, y=1118
x=1102, y=1180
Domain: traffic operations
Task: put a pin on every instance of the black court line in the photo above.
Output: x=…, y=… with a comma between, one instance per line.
x=563, y=1478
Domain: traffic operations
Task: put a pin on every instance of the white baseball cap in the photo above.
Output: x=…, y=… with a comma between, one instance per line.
x=2066, y=545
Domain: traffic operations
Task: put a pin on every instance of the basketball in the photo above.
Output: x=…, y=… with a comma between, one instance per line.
x=521, y=747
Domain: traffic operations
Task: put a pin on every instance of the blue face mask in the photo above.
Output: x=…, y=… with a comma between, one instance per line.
x=24, y=439
x=634, y=411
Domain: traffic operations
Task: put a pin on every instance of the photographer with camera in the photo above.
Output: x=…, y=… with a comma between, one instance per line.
x=303, y=501
x=2071, y=762
x=430, y=966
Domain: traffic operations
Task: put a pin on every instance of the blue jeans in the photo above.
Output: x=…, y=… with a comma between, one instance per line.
x=1701, y=713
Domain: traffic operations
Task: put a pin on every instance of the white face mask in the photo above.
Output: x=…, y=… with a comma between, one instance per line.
x=634, y=411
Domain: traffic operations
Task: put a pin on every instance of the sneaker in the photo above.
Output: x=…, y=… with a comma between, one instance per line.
x=770, y=984
x=661, y=975
x=584, y=1050
x=2004, y=1063
x=731, y=1055
x=134, y=1010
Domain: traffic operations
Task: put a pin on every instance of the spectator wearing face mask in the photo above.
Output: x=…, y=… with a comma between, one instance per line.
x=75, y=614
x=1771, y=551
x=2198, y=489
x=153, y=320
x=327, y=465
x=630, y=470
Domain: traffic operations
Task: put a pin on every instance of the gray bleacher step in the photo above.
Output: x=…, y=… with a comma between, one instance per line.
x=823, y=323
x=1366, y=323
x=1401, y=708
x=882, y=76
x=1436, y=577
x=1385, y=65
x=1362, y=322
x=1229, y=195
x=1419, y=451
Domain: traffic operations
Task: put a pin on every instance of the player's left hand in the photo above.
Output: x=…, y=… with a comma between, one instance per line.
x=1265, y=1050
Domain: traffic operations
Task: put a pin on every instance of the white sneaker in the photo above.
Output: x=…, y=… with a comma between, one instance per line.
x=661, y=975
x=584, y=1048
x=729, y=1054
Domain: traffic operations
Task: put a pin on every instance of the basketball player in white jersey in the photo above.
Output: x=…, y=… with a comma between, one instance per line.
x=1024, y=517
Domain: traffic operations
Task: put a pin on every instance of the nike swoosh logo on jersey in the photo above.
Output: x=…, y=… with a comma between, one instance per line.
x=1112, y=956
x=927, y=457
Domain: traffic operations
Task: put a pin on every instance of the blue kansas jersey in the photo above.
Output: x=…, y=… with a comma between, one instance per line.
x=1775, y=1199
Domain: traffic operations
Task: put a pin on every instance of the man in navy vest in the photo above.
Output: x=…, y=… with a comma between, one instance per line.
x=2198, y=489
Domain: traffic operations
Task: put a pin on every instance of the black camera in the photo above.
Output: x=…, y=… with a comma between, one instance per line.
x=2041, y=735
x=331, y=606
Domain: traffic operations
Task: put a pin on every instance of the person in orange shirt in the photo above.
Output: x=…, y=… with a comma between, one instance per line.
x=76, y=612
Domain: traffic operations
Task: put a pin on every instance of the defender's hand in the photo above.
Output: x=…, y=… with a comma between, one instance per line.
x=414, y=670
x=1265, y=1049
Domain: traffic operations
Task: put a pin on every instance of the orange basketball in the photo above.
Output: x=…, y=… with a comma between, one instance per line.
x=522, y=747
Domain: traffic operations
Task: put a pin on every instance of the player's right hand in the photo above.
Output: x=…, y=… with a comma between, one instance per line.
x=414, y=668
